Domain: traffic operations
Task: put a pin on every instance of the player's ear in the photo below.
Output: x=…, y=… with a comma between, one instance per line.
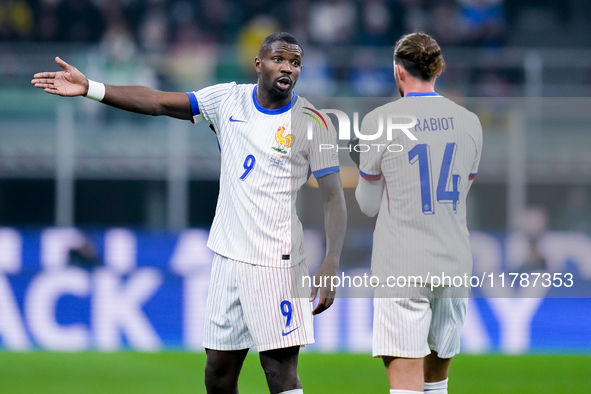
x=257, y=64
x=401, y=72
x=396, y=72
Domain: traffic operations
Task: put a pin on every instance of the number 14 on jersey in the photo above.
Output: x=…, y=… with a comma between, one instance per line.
x=421, y=153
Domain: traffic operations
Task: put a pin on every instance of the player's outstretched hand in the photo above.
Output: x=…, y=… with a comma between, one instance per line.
x=69, y=82
x=326, y=297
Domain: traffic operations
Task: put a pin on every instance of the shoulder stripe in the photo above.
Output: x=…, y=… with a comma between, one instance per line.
x=472, y=176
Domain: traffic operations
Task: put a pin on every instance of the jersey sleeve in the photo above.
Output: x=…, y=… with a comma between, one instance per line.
x=205, y=103
x=324, y=158
x=370, y=160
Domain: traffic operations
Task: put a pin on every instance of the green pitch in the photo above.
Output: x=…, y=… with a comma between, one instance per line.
x=171, y=373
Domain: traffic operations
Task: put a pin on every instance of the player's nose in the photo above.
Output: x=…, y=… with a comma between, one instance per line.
x=286, y=67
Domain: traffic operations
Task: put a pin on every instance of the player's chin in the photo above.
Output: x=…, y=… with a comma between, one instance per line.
x=281, y=94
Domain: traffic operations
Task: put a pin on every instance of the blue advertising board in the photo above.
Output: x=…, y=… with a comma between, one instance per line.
x=73, y=290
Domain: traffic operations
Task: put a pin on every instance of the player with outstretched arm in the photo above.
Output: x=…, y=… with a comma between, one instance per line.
x=254, y=297
x=419, y=195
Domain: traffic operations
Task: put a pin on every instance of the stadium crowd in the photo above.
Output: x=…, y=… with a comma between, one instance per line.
x=155, y=24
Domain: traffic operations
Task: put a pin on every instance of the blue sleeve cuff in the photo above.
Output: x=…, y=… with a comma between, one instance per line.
x=194, y=103
x=368, y=177
x=326, y=171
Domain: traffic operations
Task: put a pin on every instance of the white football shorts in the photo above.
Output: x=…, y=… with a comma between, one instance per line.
x=253, y=305
x=413, y=327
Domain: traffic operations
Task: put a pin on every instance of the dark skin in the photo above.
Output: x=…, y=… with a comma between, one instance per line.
x=139, y=99
x=278, y=68
x=282, y=61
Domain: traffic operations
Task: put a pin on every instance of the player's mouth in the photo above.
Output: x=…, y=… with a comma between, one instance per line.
x=283, y=83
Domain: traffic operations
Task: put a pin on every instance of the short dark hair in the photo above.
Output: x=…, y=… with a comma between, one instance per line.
x=420, y=55
x=279, y=36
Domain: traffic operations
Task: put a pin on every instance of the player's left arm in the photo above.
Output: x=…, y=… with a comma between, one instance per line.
x=369, y=195
x=370, y=187
x=335, y=223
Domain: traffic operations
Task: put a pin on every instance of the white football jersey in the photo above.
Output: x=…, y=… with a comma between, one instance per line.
x=421, y=226
x=266, y=157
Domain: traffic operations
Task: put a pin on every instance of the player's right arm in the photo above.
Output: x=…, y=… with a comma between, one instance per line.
x=143, y=100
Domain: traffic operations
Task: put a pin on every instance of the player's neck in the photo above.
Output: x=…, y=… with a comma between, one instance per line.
x=266, y=100
x=419, y=87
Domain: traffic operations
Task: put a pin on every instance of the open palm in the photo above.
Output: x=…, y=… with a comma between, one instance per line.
x=69, y=82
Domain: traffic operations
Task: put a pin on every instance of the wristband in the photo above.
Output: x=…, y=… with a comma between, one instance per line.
x=96, y=90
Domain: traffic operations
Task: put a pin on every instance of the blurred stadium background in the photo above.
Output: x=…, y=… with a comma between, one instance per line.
x=104, y=214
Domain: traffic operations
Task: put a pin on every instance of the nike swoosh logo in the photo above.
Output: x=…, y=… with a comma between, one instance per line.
x=236, y=120
x=289, y=332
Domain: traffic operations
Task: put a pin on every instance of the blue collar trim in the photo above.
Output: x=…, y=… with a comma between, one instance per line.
x=276, y=111
x=423, y=94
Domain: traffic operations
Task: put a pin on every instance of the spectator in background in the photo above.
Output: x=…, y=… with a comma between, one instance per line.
x=370, y=76
x=154, y=26
x=220, y=20
x=194, y=53
x=47, y=21
x=533, y=224
x=250, y=9
x=317, y=81
x=119, y=61
x=416, y=15
x=447, y=23
x=484, y=21
x=492, y=82
x=80, y=21
x=84, y=254
x=377, y=18
x=333, y=22
x=250, y=38
x=16, y=20
x=298, y=20
x=575, y=215
x=118, y=44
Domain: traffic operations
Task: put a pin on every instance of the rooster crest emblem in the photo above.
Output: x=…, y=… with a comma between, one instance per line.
x=283, y=141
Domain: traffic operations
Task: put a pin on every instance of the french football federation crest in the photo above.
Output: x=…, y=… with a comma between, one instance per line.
x=283, y=141
x=283, y=144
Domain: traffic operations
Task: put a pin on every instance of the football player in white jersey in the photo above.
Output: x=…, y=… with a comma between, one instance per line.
x=255, y=296
x=417, y=187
